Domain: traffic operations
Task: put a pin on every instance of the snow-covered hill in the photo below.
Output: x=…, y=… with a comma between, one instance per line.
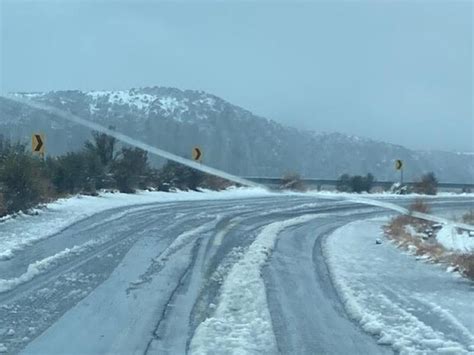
x=231, y=137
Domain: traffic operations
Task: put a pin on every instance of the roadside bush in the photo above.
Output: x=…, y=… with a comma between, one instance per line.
x=428, y=185
x=292, y=181
x=344, y=183
x=103, y=146
x=180, y=177
x=69, y=173
x=465, y=262
x=101, y=154
x=130, y=169
x=212, y=182
x=356, y=183
x=23, y=182
x=468, y=217
x=26, y=181
x=399, y=189
x=419, y=206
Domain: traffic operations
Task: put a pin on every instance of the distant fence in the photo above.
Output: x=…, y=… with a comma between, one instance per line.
x=325, y=183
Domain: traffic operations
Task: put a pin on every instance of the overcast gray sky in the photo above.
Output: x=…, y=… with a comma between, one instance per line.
x=394, y=71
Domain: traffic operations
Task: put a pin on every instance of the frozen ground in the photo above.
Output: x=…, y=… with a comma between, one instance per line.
x=413, y=306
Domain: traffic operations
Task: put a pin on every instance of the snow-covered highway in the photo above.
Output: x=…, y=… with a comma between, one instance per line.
x=224, y=273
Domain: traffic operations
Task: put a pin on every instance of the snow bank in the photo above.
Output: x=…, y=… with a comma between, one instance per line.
x=388, y=194
x=24, y=230
x=241, y=322
x=40, y=266
x=414, y=307
x=449, y=238
x=376, y=200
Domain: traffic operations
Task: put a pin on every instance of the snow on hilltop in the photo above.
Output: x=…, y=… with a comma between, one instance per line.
x=144, y=102
x=169, y=105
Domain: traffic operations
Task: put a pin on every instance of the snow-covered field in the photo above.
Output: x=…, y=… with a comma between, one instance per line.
x=24, y=230
x=415, y=307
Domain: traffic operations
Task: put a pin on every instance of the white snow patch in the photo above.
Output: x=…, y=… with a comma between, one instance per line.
x=93, y=109
x=449, y=238
x=40, y=266
x=241, y=322
x=140, y=101
x=170, y=104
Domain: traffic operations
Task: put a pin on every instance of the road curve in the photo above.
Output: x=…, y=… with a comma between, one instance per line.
x=142, y=280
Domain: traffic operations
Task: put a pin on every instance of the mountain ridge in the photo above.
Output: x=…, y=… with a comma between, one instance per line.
x=232, y=138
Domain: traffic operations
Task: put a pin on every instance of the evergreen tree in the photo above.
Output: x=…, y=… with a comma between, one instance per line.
x=130, y=169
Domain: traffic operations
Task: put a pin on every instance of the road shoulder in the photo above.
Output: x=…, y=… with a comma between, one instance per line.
x=411, y=305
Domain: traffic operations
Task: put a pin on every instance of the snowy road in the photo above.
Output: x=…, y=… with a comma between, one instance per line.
x=218, y=276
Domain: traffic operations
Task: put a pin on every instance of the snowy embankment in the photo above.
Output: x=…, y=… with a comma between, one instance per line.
x=451, y=239
x=377, y=200
x=24, y=230
x=413, y=307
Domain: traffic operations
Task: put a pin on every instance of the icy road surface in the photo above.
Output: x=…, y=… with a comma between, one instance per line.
x=247, y=273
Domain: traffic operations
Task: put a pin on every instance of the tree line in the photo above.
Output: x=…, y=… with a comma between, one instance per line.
x=26, y=180
x=427, y=185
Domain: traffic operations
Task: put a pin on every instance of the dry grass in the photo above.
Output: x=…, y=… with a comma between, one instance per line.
x=396, y=228
x=215, y=183
x=292, y=181
x=465, y=263
x=419, y=206
x=396, y=231
x=434, y=250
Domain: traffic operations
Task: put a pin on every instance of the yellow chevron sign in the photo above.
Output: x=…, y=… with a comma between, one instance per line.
x=37, y=143
x=398, y=164
x=197, y=154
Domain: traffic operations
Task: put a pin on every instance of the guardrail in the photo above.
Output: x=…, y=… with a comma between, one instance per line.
x=319, y=183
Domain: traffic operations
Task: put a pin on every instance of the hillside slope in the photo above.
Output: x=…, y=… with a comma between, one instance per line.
x=232, y=138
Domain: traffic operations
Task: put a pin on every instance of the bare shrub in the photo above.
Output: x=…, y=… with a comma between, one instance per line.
x=465, y=262
x=396, y=231
x=356, y=183
x=419, y=206
x=292, y=181
x=428, y=185
x=433, y=249
x=396, y=227
x=468, y=217
x=212, y=182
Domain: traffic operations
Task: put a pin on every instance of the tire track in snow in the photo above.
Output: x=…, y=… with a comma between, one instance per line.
x=242, y=320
